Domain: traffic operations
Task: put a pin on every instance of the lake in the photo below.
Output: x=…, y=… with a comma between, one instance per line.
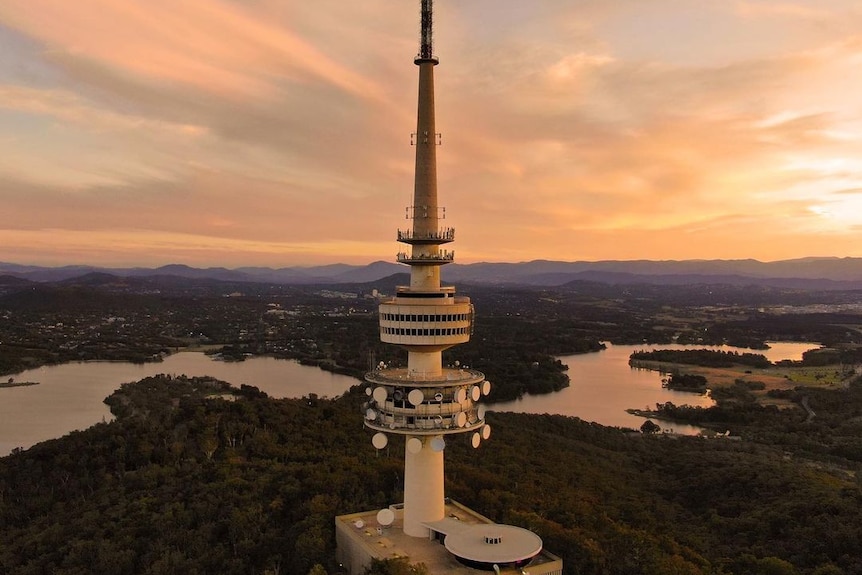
x=603, y=385
x=70, y=396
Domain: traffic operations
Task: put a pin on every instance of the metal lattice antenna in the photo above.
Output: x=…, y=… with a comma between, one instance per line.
x=426, y=41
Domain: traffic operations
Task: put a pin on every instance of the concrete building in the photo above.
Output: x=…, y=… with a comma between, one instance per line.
x=427, y=402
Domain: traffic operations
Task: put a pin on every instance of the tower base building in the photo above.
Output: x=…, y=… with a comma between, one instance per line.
x=463, y=543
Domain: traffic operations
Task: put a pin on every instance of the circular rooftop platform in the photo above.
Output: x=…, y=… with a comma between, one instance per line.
x=402, y=376
x=481, y=546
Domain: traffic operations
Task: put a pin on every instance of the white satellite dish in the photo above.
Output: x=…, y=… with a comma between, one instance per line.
x=370, y=414
x=380, y=394
x=475, y=393
x=486, y=431
x=368, y=391
x=385, y=517
x=415, y=397
x=486, y=388
x=461, y=419
x=379, y=440
x=476, y=439
x=438, y=444
x=359, y=523
x=438, y=396
x=461, y=396
x=482, y=411
x=414, y=445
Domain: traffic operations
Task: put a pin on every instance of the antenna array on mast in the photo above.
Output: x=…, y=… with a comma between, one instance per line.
x=426, y=39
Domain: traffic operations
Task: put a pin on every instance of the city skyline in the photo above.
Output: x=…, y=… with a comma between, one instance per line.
x=275, y=133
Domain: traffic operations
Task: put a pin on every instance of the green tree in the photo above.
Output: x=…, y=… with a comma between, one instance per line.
x=649, y=426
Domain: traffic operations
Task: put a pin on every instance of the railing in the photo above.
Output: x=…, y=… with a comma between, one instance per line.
x=443, y=235
x=438, y=258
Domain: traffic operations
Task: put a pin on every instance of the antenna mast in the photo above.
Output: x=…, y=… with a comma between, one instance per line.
x=426, y=40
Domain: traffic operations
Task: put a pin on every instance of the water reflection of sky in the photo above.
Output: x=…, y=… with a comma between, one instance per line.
x=71, y=396
x=603, y=386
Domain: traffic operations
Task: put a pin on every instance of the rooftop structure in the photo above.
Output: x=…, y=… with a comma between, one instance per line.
x=361, y=537
x=427, y=402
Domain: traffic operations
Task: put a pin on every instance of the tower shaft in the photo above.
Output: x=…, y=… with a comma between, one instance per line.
x=426, y=215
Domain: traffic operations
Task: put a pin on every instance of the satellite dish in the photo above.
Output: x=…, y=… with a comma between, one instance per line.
x=359, y=523
x=368, y=391
x=475, y=393
x=482, y=411
x=385, y=517
x=438, y=420
x=398, y=395
x=380, y=394
x=415, y=397
x=486, y=388
x=461, y=396
x=414, y=445
x=438, y=444
x=370, y=414
x=379, y=440
x=486, y=431
x=438, y=396
x=461, y=419
x=476, y=439
x=457, y=363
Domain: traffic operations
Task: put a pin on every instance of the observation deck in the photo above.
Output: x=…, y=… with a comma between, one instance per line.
x=427, y=259
x=400, y=376
x=412, y=237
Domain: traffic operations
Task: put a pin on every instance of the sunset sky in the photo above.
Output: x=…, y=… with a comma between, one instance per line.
x=277, y=132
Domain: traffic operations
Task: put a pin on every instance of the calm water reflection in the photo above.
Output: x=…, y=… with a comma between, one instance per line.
x=70, y=396
x=603, y=386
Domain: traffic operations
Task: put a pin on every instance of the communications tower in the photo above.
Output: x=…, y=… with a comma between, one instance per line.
x=428, y=403
x=425, y=402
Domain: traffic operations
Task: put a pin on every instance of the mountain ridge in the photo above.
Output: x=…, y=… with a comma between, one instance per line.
x=802, y=273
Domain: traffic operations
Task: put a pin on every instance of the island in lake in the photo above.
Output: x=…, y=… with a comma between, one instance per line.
x=12, y=383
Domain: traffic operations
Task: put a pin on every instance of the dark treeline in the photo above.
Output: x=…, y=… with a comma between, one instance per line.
x=195, y=478
x=686, y=382
x=703, y=357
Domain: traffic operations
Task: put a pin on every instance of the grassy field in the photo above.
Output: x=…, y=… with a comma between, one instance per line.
x=829, y=376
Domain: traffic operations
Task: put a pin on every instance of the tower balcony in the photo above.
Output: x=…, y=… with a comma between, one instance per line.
x=427, y=259
x=412, y=237
x=448, y=378
x=408, y=403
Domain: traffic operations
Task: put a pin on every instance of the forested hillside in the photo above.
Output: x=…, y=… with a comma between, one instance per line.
x=195, y=478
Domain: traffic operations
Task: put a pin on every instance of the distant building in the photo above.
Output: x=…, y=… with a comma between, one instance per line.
x=425, y=402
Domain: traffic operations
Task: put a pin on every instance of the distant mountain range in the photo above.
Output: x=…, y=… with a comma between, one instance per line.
x=805, y=273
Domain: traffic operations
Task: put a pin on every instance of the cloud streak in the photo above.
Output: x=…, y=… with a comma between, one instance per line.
x=267, y=130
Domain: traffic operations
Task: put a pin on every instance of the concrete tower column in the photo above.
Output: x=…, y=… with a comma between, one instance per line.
x=423, y=487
